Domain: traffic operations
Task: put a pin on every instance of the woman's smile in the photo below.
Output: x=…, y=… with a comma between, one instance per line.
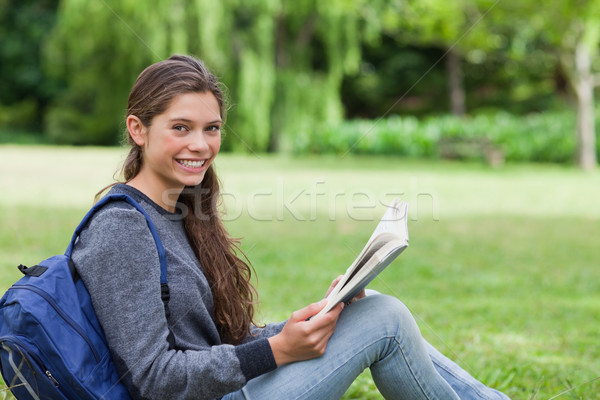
x=192, y=165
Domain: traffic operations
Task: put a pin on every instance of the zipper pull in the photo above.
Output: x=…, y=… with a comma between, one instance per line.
x=54, y=381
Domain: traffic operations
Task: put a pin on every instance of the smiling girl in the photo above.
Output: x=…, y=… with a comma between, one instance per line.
x=179, y=145
x=208, y=346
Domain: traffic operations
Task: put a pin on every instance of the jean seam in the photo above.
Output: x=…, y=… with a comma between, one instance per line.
x=410, y=368
x=461, y=379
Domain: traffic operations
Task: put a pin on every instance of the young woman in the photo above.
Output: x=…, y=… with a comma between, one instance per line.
x=208, y=346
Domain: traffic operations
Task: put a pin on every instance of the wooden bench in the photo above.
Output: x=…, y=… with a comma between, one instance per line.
x=471, y=148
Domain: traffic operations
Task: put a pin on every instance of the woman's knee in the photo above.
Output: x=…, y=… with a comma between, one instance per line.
x=384, y=310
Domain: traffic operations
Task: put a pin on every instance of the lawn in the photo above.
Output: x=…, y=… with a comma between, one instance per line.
x=501, y=273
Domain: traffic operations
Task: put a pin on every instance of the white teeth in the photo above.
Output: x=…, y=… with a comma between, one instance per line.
x=191, y=164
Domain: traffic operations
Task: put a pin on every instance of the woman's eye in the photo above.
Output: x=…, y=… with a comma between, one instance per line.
x=180, y=128
x=213, y=128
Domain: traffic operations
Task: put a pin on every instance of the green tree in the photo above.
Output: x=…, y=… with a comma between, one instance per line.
x=282, y=61
x=457, y=27
x=476, y=29
x=96, y=50
x=577, y=50
x=317, y=44
x=569, y=31
x=24, y=89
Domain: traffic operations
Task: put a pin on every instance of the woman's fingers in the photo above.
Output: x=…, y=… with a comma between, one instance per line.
x=333, y=284
x=302, y=338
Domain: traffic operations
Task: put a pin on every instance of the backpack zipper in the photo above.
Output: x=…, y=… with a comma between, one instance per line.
x=62, y=314
x=54, y=381
x=25, y=349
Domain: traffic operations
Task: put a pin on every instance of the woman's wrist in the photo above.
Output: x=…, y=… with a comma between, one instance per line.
x=281, y=356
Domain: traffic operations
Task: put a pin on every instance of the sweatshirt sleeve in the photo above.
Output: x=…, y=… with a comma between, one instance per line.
x=264, y=332
x=117, y=260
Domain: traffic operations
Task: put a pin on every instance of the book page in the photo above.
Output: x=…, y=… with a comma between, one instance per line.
x=374, y=266
x=388, y=240
x=370, y=250
x=393, y=224
x=394, y=220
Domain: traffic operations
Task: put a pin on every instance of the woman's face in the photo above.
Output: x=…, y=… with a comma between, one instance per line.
x=180, y=144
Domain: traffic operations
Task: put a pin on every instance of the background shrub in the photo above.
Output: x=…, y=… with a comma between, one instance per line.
x=540, y=137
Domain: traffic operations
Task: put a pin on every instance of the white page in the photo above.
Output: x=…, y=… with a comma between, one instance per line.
x=393, y=225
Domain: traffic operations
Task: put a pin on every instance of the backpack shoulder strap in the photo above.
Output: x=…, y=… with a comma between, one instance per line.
x=123, y=197
x=164, y=287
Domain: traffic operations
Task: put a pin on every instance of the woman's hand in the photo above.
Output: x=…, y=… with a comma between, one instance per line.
x=302, y=338
x=334, y=284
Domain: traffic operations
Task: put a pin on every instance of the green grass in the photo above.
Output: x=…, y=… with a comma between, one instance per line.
x=501, y=274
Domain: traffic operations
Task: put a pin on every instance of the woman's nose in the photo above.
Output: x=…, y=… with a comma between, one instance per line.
x=198, y=142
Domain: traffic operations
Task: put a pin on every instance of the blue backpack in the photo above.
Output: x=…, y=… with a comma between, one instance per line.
x=51, y=343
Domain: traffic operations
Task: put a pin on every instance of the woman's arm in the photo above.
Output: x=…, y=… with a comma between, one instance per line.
x=117, y=260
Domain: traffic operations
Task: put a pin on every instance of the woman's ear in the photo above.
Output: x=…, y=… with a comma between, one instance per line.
x=136, y=130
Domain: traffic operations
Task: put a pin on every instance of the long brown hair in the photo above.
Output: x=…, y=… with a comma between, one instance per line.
x=228, y=275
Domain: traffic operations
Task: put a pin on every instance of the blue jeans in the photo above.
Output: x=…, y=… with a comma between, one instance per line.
x=376, y=332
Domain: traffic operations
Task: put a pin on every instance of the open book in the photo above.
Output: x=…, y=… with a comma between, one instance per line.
x=388, y=240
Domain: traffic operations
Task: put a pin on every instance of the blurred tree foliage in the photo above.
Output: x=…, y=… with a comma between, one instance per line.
x=435, y=57
x=570, y=32
x=297, y=53
x=293, y=66
x=96, y=52
x=24, y=89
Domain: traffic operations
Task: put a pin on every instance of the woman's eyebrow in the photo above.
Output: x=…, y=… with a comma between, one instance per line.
x=189, y=121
